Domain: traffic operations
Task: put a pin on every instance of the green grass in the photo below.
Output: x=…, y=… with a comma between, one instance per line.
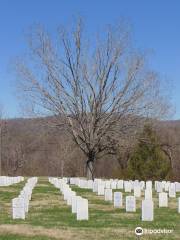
x=19, y=237
x=50, y=218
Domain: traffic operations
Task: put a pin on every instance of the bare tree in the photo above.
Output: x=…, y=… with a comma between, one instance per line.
x=17, y=159
x=99, y=91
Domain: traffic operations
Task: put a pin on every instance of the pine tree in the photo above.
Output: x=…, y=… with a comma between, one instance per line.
x=148, y=161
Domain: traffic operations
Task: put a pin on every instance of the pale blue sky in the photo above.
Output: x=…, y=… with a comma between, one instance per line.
x=155, y=23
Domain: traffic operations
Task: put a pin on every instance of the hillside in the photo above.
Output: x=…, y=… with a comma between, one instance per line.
x=30, y=147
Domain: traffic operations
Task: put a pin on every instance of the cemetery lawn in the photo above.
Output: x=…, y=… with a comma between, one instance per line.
x=50, y=218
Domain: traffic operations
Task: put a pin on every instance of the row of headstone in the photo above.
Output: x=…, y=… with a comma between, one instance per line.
x=105, y=187
x=7, y=181
x=130, y=204
x=147, y=207
x=165, y=186
x=162, y=187
x=102, y=187
x=117, y=197
x=79, y=205
x=98, y=185
x=20, y=205
x=128, y=186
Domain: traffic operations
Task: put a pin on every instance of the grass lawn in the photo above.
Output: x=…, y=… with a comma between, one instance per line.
x=49, y=217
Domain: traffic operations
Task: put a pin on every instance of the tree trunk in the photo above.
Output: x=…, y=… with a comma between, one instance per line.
x=90, y=170
x=90, y=167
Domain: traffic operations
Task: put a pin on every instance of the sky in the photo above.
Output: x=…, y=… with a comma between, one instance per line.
x=155, y=28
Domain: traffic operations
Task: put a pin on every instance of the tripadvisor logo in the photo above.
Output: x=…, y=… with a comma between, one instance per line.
x=139, y=231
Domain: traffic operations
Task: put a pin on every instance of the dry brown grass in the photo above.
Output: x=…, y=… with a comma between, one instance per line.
x=63, y=234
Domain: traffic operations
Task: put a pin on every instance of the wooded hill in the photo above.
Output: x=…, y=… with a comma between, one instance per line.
x=31, y=147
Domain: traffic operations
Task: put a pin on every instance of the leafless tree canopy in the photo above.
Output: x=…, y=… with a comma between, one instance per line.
x=101, y=89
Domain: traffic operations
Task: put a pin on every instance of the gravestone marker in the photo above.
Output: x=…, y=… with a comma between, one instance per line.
x=95, y=185
x=142, y=185
x=18, y=209
x=159, y=187
x=82, y=209
x=118, y=200
x=120, y=184
x=107, y=184
x=172, y=190
x=113, y=184
x=108, y=194
x=148, y=194
x=130, y=204
x=137, y=191
x=147, y=210
x=127, y=186
x=90, y=184
x=149, y=185
x=166, y=187
x=69, y=199
x=101, y=189
x=74, y=203
x=163, y=199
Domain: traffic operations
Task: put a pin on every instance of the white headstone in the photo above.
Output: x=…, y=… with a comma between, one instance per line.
x=82, y=209
x=177, y=186
x=149, y=185
x=137, y=191
x=24, y=197
x=74, y=203
x=95, y=185
x=163, y=184
x=120, y=184
x=108, y=194
x=136, y=183
x=166, y=187
x=142, y=185
x=107, y=184
x=172, y=190
x=179, y=205
x=159, y=187
x=66, y=192
x=127, y=186
x=147, y=210
x=130, y=204
x=69, y=200
x=18, y=208
x=148, y=194
x=163, y=199
x=101, y=189
x=118, y=200
x=113, y=184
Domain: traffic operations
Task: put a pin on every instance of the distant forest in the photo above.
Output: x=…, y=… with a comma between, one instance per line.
x=33, y=148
